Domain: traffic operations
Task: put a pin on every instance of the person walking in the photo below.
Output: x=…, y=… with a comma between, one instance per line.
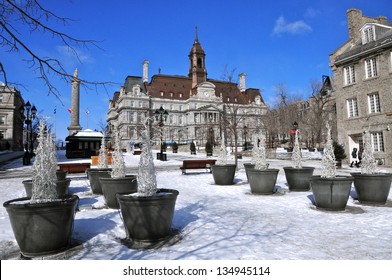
x=354, y=156
x=358, y=164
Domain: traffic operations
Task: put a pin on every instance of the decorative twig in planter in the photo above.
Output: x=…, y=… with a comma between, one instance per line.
x=298, y=176
x=119, y=182
x=261, y=179
x=148, y=213
x=330, y=192
x=371, y=187
x=223, y=172
x=46, y=212
x=102, y=170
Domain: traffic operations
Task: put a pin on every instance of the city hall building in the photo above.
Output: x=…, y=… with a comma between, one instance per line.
x=197, y=108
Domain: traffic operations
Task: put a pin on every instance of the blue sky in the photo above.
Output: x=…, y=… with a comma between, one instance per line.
x=274, y=42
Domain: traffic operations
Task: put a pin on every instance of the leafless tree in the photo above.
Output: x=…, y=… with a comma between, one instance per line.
x=317, y=112
x=20, y=16
x=233, y=118
x=281, y=115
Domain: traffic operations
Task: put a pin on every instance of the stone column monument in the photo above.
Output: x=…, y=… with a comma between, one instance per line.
x=75, y=126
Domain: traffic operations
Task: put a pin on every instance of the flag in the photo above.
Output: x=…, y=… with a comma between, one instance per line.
x=70, y=110
x=54, y=111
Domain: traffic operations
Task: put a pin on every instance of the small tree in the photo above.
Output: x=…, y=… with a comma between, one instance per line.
x=296, y=157
x=368, y=165
x=44, y=168
x=102, y=157
x=222, y=154
x=175, y=146
x=209, y=148
x=118, y=164
x=338, y=151
x=328, y=160
x=260, y=154
x=193, y=148
x=146, y=177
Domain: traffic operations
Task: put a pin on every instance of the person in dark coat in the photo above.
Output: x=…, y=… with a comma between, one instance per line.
x=359, y=157
x=354, y=156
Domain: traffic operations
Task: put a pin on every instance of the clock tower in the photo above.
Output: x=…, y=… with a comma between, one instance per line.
x=197, y=70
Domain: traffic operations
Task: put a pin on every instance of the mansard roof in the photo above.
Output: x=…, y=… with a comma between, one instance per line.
x=179, y=88
x=131, y=81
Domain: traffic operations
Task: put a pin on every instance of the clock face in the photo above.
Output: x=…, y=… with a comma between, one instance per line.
x=206, y=93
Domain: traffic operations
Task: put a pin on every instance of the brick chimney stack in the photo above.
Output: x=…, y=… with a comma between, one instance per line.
x=354, y=20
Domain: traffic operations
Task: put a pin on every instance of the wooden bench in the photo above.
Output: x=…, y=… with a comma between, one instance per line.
x=74, y=167
x=197, y=164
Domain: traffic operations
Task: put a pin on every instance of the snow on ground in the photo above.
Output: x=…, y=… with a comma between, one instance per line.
x=223, y=222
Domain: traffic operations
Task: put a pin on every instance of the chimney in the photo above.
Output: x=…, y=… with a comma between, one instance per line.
x=354, y=21
x=145, y=71
x=382, y=20
x=242, y=82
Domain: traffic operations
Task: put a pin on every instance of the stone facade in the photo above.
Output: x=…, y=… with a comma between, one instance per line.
x=11, y=121
x=362, y=70
x=199, y=109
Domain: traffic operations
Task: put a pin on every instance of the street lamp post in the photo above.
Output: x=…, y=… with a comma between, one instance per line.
x=245, y=133
x=161, y=116
x=292, y=132
x=28, y=113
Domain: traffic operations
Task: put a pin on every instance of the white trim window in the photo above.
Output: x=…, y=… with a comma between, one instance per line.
x=368, y=35
x=349, y=75
x=352, y=108
x=374, y=103
x=377, y=141
x=371, y=67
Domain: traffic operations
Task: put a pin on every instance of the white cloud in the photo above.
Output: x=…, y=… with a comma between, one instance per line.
x=292, y=28
x=311, y=13
x=74, y=55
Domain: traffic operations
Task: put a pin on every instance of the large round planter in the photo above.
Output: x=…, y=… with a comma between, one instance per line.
x=248, y=166
x=42, y=228
x=372, y=188
x=148, y=219
x=113, y=186
x=331, y=193
x=223, y=174
x=62, y=187
x=298, y=179
x=94, y=174
x=61, y=175
x=262, y=181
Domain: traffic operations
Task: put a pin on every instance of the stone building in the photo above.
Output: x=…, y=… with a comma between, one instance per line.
x=199, y=109
x=362, y=69
x=11, y=121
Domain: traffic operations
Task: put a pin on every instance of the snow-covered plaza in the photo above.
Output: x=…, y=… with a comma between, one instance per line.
x=218, y=222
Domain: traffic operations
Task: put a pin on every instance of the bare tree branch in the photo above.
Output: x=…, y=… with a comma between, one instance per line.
x=31, y=14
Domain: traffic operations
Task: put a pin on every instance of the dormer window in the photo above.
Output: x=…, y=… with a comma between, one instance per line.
x=368, y=34
x=136, y=90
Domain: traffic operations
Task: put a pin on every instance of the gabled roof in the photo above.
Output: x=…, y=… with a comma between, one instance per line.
x=383, y=39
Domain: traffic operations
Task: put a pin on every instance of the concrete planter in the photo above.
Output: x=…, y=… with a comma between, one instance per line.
x=42, y=228
x=331, y=194
x=62, y=187
x=113, y=186
x=298, y=179
x=262, y=181
x=223, y=174
x=372, y=188
x=148, y=219
x=248, y=166
x=94, y=174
